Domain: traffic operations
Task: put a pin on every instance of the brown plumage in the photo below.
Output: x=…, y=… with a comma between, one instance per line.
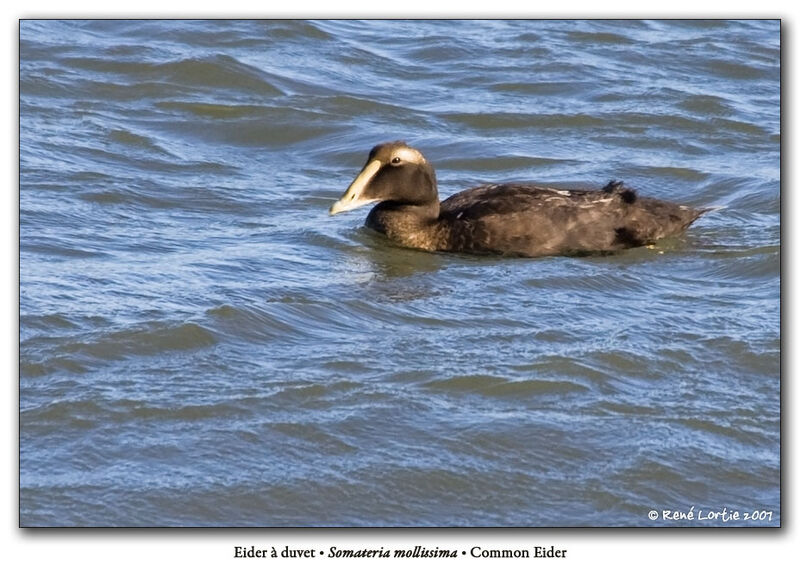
x=514, y=219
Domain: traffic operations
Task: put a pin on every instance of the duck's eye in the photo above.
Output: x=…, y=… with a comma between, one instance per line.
x=396, y=161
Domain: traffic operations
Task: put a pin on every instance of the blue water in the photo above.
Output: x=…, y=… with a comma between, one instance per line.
x=202, y=345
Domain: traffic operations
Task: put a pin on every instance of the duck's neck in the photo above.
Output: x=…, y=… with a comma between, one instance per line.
x=412, y=225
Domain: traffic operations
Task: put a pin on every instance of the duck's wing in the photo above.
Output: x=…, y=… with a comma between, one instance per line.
x=509, y=198
x=534, y=220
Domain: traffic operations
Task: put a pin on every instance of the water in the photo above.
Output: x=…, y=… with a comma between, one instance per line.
x=201, y=344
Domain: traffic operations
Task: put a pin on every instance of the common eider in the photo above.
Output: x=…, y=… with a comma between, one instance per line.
x=514, y=219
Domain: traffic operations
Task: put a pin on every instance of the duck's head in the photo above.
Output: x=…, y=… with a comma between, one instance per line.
x=393, y=172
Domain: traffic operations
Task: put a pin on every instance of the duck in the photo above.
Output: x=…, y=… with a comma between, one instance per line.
x=507, y=219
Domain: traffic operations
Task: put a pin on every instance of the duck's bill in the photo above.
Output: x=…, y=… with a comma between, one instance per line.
x=353, y=196
x=344, y=206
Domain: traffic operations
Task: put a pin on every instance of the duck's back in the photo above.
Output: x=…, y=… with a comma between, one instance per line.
x=531, y=220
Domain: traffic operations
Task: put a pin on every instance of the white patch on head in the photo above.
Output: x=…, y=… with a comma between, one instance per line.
x=683, y=207
x=563, y=192
x=409, y=155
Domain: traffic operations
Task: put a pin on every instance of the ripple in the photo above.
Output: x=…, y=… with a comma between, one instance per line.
x=757, y=264
x=535, y=88
x=520, y=121
x=708, y=105
x=154, y=339
x=215, y=110
x=600, y=38
x=679, y=173
x=313, y=436
x=221, y=71
x=255, y=126
x=86, y=414
x=62, y=251
x=734, y=70
x=499, y=387
x=497, y=163
x=614, y=282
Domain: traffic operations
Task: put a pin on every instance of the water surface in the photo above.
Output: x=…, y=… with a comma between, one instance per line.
x=202, y=345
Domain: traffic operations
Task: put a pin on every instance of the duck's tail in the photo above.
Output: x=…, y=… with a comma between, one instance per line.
x=695, y=213
x=698, y=212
